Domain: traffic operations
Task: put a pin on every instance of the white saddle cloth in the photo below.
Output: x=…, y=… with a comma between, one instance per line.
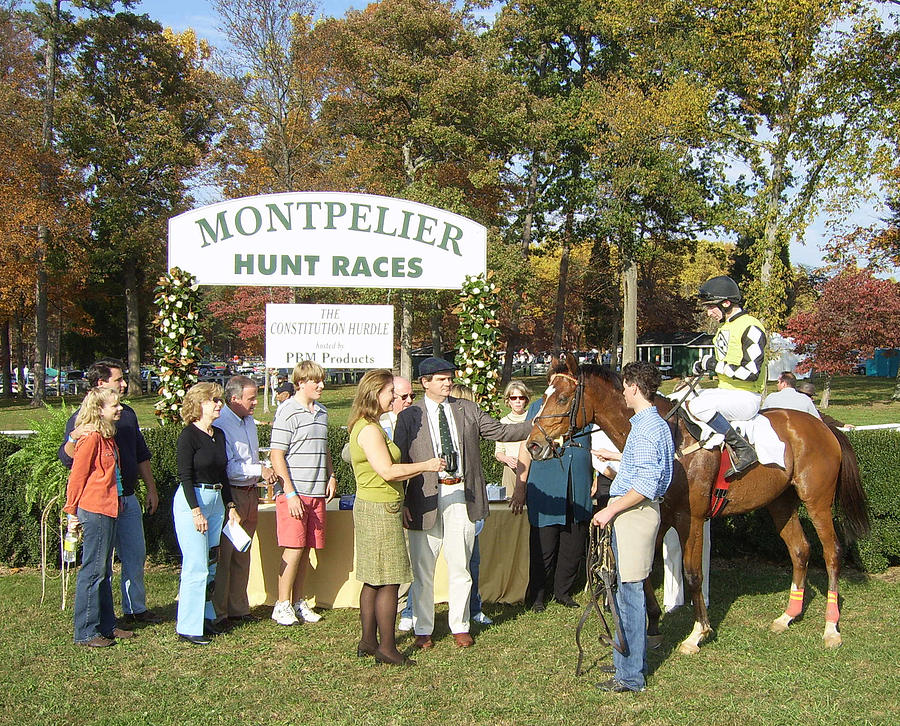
x=758, y=431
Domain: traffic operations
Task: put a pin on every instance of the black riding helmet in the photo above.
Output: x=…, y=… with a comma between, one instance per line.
x=718, y=289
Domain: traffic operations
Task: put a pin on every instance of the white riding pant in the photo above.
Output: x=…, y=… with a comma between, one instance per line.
x=733, y=404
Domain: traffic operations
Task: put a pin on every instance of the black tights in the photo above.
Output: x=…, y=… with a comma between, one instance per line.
x=377, y=612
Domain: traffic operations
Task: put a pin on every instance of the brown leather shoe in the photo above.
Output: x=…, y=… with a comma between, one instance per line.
x=98, y=641
x=463, y=640
x=424, y=642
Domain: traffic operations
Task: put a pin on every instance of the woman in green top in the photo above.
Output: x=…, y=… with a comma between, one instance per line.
x=382, y=561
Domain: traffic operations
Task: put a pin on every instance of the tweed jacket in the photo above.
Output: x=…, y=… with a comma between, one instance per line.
x=413, y=437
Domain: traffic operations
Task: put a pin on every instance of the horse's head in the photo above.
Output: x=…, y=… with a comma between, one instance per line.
x=560, y=414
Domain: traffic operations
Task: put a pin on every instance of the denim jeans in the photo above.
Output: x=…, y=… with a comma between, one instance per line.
x=94, y=614
x=631, y=668
x=199, y=553
x=132, y=552
x=474, y=567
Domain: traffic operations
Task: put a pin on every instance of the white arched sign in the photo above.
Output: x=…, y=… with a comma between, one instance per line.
x=327, y=239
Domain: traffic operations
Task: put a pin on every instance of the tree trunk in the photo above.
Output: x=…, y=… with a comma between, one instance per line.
x=132, y=329
x=5, y=359
x=559, y=318
x=19, y=347
x=40, y=254
x=896, y=396
x=434, y=320
x=629, y=317
x=406, y=369
x=826, y=392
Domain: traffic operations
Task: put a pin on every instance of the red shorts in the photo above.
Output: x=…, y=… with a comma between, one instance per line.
x=306, y=531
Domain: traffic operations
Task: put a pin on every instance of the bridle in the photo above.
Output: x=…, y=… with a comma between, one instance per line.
x=578, y=402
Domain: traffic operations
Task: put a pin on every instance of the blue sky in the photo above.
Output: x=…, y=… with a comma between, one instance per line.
x=199, y=15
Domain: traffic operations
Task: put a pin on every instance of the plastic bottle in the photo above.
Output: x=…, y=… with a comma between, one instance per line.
x=70, y=545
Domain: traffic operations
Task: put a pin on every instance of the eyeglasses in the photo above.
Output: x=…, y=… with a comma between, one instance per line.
x=411, y=396
x=517, y=398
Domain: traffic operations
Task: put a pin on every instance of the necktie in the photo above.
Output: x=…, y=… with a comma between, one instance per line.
x=444, y=429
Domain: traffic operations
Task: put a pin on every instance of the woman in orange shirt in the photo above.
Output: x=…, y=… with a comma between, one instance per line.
x=92, y=505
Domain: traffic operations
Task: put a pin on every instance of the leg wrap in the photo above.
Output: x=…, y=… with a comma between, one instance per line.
x=832, y=614
x=795, y=604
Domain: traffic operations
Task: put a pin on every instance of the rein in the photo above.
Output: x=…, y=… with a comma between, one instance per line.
x=569, y=437
x=601, y=583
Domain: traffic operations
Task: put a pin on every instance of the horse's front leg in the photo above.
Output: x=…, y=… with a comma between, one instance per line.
x=654, y=612
x=692, y=546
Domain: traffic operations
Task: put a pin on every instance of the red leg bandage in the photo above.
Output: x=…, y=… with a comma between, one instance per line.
x=795, y=604
x=832, y=614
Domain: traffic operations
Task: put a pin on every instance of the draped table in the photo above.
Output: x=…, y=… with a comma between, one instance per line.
x=330, y=578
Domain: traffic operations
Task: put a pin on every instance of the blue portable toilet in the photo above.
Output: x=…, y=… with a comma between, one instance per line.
x=884, y=364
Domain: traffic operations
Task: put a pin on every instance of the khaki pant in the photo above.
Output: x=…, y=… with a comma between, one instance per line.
x=635, y=530
x=233, y=571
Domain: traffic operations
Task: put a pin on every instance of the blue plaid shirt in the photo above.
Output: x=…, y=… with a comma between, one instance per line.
x=648, y=457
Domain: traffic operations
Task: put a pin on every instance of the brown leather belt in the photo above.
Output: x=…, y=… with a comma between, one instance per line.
x=451, y=480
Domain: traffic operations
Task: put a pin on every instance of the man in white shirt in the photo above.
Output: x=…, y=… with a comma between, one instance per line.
x=244, y=471
x=787, y=396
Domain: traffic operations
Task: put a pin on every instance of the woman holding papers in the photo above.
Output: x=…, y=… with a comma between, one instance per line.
x=199, y=509
x=382, y=562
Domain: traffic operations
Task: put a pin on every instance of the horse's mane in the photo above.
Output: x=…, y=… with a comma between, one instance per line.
x=605, y=373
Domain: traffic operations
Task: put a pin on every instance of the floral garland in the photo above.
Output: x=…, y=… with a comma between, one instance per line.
x=479, y=340
x=177, y=342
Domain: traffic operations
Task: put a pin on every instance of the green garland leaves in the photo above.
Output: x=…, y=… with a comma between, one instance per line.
x=479, y=340
x=178, y=341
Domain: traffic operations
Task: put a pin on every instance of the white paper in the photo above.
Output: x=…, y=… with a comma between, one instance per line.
x=238, y=536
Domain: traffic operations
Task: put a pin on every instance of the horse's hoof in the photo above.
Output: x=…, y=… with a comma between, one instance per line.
x=688, y=649
x=654, y=641
x=833, y=640
x=780, y=624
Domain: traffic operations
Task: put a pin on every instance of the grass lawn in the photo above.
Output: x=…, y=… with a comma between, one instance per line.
x=521, y=670
x=855, y=400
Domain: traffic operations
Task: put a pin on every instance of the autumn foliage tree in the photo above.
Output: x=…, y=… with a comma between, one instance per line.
x=855, y=313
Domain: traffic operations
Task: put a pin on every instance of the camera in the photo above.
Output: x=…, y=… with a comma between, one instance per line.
x=452, y=459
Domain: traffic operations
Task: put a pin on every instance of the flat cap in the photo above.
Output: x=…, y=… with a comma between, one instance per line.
x=432, y=365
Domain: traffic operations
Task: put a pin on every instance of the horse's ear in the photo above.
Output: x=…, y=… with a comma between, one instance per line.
x=572, y=364
x=554, y=362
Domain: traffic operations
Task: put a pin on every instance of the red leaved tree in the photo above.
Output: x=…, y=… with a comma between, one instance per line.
x=854, y=314
x=245, y=312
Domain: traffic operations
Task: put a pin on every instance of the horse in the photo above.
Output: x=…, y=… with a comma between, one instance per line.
x=819, y=464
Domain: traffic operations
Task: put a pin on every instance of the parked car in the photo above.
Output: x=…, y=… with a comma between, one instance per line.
x=149, y=380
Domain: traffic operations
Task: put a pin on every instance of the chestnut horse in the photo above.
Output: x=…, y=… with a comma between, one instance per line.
x=819, y=462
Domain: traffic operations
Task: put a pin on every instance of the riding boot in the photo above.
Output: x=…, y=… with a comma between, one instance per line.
x=743, y=455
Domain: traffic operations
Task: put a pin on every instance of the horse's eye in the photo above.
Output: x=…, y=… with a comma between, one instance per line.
x=562, y=398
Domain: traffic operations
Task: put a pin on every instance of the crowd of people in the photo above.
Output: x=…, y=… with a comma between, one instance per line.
x=420, y=491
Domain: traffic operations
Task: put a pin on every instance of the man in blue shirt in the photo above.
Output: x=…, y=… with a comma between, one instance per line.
x=644, y=475
x=135, y=463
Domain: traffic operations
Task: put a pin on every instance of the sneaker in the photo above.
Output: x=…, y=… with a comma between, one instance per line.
x=482, y=619
x=405, y=624
x=305, y=613
x=283, y=613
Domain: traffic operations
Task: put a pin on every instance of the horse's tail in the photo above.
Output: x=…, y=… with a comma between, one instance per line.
x=851, y=496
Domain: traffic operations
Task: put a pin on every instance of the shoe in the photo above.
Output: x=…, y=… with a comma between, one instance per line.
x=463, y=640
x=567, y=602
x=245, y=618
x=405, y=660
x=539, y=607
x=119, y=633
x=195, y=639
x=305, y=613
x=424, y=642
x=363, y=650
x=614, y=686
x=214, y=627
x=743, y=454
x=405, y=624
x=145, y=617
x=284, y=614
x=98, y=641
x=607, y=669
x=482, y=619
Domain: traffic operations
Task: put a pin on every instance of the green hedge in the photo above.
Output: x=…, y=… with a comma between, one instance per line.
x=751, y=534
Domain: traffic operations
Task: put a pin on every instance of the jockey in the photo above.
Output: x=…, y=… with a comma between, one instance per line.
x=739, y=344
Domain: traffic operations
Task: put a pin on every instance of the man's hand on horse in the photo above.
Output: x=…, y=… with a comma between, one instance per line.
x=606, y=455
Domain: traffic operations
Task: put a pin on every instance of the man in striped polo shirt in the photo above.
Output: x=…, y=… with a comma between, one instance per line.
x=300, y=456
